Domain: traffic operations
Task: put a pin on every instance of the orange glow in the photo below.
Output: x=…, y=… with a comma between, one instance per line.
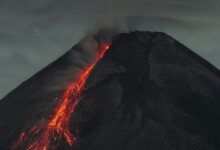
x=20, y=140
x=58, y=126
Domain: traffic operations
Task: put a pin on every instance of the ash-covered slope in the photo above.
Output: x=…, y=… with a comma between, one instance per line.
x=34, y=101
x=148, y=92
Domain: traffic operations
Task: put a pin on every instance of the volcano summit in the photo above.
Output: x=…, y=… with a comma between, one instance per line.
x=142, y=91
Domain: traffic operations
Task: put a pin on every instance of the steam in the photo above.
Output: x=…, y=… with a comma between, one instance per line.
x=34, y=33
x=79, y=57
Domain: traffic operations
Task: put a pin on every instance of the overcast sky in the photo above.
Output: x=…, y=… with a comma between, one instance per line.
x=33, y=33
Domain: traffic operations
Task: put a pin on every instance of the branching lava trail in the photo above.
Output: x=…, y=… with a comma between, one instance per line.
x=57, y=127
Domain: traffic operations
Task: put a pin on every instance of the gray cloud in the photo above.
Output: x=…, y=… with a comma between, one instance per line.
x=34, y=33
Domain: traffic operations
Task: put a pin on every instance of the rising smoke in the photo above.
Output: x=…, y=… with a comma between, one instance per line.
x=34, y=33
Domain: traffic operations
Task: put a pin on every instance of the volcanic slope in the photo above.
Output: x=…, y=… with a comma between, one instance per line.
x=148, y=92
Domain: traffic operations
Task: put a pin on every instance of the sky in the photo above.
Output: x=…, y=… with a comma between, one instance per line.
x=33, y=33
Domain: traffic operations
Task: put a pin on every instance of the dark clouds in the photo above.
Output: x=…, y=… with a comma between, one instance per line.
x=35, y=32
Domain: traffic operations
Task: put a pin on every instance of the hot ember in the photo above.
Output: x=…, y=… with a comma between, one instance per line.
x=58, y=126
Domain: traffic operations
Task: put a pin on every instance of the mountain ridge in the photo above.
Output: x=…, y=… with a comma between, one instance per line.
x=148, y=86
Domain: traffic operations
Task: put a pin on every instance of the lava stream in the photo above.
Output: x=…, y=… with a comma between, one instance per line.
x=58, y=126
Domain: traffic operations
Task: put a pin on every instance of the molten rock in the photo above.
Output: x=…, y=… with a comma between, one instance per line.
x=147, y=92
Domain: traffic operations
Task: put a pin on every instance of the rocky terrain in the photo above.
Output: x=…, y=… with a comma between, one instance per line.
x=149, y=92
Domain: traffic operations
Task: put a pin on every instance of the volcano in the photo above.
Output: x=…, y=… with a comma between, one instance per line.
x=139, y=91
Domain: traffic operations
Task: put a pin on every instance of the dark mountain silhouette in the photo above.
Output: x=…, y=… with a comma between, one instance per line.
x=148, y=92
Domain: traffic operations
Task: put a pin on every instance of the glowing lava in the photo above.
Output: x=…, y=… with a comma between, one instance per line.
x=58, y=126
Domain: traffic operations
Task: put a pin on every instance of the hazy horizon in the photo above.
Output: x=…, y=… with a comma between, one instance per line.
x=35, y=33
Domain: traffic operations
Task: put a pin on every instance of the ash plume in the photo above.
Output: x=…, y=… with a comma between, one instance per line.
x=81, y=55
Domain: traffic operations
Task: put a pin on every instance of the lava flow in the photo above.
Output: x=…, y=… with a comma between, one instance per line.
x=58, y=126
